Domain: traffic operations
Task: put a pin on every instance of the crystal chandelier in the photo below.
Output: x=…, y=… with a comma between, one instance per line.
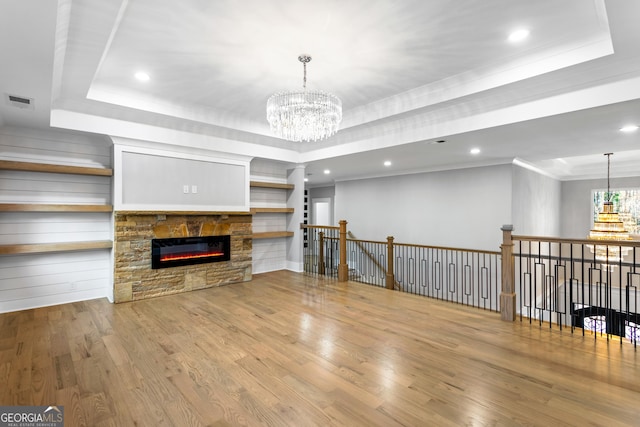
x=608, y=226
x=307, y=115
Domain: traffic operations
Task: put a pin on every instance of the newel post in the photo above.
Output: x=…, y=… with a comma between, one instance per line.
x=321, y=253
x=390, y=280
x=508, y=293
x=343, y=268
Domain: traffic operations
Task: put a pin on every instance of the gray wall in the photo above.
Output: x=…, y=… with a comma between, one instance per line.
x=321, y=193
x=536, y=203
x=461, y=208
x=576, y=207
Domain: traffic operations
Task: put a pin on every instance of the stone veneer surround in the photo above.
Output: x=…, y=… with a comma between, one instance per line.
x=134, y=279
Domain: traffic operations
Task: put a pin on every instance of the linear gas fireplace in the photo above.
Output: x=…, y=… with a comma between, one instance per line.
x=178, y=251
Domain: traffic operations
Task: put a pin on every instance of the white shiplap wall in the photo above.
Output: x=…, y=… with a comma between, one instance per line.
x=28, y=281
x=269, y=254
x=35, y=280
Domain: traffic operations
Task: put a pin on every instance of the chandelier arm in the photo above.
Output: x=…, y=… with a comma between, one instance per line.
x=304, y=58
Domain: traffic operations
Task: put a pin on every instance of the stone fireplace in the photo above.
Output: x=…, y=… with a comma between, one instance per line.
x=134, y=277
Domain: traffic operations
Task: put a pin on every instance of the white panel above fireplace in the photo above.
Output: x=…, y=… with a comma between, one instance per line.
x=156, y=180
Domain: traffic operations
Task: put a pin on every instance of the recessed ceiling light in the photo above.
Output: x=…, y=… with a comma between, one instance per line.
x=142, y=76
x=327, y=171
x=629, y=128
x=474, y=151
x=306, y=180
x=518, y=35
x=387, y=163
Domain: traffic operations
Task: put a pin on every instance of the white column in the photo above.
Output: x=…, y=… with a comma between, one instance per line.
x=295, y=200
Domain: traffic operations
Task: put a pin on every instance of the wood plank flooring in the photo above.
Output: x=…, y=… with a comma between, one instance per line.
x=291, y=350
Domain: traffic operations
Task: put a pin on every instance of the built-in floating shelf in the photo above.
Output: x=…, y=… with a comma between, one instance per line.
x=272, y=234
x=55, y=247
x=51, y=168
x=271, y=185
x=40, y=207
x=279, y=210
x=34, y=248
x=271, y=210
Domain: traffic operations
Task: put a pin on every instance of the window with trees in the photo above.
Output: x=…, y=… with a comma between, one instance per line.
x=625, y=202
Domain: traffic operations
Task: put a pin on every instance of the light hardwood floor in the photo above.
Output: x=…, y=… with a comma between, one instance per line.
x=290, y=350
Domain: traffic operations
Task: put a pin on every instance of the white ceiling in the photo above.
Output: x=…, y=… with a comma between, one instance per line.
x=408, y=72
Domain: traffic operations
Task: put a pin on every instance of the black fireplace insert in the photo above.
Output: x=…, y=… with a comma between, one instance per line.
x=178, y=251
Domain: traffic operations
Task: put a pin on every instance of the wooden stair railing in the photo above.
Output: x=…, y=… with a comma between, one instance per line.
x=396, y=284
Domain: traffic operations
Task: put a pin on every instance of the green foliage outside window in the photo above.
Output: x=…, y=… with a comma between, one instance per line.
x=625, y=202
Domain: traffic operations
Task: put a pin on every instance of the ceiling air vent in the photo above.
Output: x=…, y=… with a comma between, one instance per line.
x=20, y=101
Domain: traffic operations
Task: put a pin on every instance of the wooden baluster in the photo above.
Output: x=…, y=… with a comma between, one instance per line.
x=508, y=295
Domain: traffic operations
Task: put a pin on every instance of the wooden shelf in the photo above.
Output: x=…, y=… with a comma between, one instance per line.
x=280, y=210
x=271, y=185
x=55, y=247
x=272, y=234
x=35, y=248
x=271, y=210
x=40, y=207
x=46, y=167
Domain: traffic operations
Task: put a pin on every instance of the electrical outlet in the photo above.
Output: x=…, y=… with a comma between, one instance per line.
x=185, y=189
x=194, y=189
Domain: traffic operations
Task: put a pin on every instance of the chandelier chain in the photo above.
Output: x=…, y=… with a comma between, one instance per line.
x=608, y=179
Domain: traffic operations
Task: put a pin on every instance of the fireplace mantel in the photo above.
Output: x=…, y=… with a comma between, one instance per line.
x=186, y=213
